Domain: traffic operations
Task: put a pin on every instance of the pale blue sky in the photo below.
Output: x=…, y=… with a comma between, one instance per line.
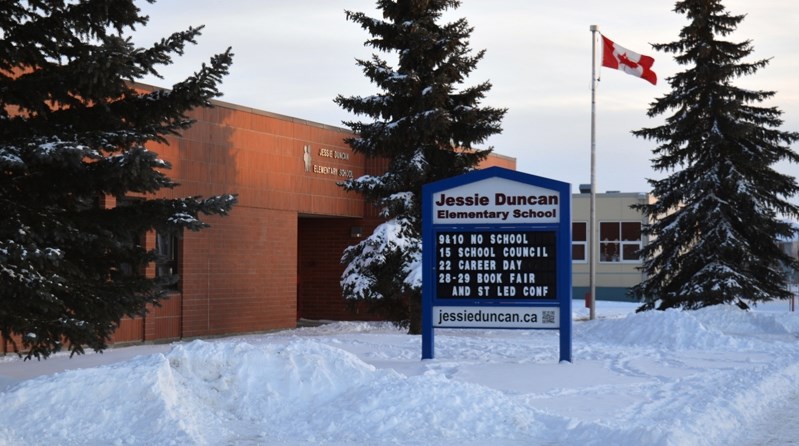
x=294, y=57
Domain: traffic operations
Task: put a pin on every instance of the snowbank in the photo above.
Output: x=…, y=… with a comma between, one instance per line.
x=655, y=378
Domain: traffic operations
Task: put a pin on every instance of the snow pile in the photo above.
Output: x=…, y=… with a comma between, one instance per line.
x=655, y=378
x=670, y=329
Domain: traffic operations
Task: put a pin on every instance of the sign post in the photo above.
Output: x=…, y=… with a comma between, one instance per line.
x=496, y=254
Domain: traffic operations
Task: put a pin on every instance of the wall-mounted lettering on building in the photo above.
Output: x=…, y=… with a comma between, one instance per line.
x=497, y=254
x=327, y=155
x=330, y=153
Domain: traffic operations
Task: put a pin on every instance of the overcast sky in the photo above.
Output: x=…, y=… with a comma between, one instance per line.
x=294, y=57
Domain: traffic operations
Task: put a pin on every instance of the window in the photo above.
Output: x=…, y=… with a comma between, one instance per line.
x=619, y=241
x=133, y=245
x=166, y=246
x=579, y=241
x=133, y=242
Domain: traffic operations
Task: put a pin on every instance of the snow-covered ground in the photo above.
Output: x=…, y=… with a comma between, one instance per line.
x=709, y=377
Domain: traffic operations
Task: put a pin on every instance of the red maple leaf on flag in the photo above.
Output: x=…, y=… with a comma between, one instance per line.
x=619, y=58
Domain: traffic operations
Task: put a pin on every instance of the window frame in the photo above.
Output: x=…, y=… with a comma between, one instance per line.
x=583, y=243
x=172, y=255
x=620, y=241
x=136, y=239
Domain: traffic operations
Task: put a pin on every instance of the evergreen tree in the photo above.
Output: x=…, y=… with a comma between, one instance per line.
x=72, y=132
x=716, y=220
x=425, y=127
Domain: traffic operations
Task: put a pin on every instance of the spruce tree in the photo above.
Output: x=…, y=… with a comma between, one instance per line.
x=425, y=124
x=722, y=207
x=73, y=132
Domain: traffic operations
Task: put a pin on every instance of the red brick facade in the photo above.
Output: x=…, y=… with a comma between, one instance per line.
x=275, y=258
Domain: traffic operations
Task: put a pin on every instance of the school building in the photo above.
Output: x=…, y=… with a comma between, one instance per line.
x=276, y=258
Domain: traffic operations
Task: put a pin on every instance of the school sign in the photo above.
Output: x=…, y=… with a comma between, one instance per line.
x=497, y=254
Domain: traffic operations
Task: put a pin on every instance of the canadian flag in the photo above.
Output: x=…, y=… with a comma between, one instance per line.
x=619, y=58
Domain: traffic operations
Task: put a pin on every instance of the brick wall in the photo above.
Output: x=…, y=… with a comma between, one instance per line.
x=276, y=256
x=240, y=275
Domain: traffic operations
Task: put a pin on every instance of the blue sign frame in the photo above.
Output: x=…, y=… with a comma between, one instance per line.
x=465, y=247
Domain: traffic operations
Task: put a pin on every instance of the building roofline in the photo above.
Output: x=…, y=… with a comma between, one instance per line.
x=230, y=105
x=612, y=194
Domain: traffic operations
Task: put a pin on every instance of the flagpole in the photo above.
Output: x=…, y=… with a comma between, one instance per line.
x=592, y=242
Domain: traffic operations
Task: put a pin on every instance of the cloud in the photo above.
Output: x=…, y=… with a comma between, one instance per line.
x=294, y=57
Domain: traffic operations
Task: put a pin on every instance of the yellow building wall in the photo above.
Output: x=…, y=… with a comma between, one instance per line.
x=612, y=278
